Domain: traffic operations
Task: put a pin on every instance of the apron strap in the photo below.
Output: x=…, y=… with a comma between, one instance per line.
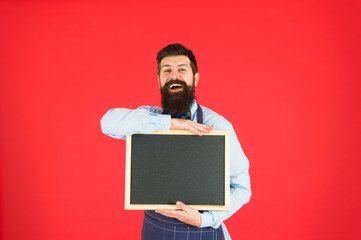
x=199, y=114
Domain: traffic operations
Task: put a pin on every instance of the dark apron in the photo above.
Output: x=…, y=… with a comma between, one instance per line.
x=159, y=227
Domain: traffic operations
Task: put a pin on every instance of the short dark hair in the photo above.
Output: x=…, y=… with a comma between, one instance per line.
x=177, y=49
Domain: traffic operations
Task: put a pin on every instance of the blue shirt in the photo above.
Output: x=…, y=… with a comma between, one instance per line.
x=120, y=122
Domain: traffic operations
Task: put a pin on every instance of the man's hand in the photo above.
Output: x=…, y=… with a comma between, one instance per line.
x=184, y=214
x=183, y=124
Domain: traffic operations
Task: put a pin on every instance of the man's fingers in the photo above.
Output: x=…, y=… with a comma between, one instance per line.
x=200, y=128
x=175, y=213
x=204, y=128
x=184, y=213
x=183, y=206
x=171, y=213
x=190, y=126
x=195, y=130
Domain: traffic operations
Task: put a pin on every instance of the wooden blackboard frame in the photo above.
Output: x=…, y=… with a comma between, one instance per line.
x=133, y=206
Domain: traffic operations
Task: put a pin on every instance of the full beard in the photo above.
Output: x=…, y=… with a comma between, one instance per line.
x=177, y=102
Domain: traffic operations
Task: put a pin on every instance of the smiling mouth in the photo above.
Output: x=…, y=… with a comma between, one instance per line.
x=175, y=87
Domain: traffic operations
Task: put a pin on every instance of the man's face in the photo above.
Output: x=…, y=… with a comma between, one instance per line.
x=176, y=68
x=177, y=84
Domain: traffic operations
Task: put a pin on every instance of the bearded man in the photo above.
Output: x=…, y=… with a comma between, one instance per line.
x=177, y=77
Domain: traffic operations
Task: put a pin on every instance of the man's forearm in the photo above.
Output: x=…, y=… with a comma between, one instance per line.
x=120, y=122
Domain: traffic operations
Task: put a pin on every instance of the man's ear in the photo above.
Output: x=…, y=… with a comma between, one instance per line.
x=196, y=79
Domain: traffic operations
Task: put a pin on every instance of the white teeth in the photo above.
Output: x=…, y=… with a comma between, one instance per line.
x=175, y=85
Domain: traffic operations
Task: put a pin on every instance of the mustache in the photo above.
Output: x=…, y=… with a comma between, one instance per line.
x=176, y=81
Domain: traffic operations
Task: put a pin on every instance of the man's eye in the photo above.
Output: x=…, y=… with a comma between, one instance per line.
x=167, y=70
x=182, y=69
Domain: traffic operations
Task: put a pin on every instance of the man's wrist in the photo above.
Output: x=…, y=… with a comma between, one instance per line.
x=164, y=122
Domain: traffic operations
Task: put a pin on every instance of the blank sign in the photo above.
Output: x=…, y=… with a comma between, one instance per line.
x=169, y=166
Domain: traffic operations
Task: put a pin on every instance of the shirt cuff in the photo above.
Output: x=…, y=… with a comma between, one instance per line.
x=163, y=122
x=207, y=219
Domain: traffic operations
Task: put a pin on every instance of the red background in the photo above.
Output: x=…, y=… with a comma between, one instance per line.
x=285, y=73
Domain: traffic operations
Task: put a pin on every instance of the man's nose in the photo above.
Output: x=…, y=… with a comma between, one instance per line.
x=174, y=76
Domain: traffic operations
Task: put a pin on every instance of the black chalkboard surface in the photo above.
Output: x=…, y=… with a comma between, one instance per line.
x=175, y=165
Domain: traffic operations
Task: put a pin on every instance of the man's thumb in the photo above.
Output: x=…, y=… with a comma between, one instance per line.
x=182, y=206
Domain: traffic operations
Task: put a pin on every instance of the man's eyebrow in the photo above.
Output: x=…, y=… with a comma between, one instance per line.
x=182, y=65
x=179, y=65
x=166, y=65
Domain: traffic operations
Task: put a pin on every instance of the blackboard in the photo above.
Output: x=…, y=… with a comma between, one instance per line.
x=175, y=165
